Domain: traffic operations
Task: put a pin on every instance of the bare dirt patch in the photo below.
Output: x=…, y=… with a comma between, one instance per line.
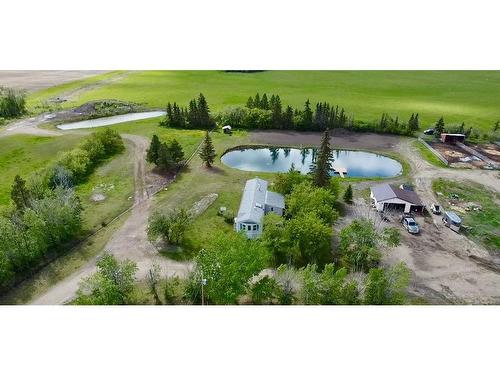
x=340, y=138
x=456, y=156
x=490, y=150
x=33, y=80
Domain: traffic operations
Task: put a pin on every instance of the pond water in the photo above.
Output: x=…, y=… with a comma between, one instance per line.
x=357, y=163
x=111, y=120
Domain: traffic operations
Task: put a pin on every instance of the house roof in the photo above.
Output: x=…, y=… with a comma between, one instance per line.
x=275, y=199
x=385, y=192
x=255, y=197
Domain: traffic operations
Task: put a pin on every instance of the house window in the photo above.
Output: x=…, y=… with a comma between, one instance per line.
x=242, y=226
x=255, y=227
x=272, y=208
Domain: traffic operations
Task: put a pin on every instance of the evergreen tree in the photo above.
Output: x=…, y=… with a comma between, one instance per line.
x=207, y=152
x=264, y=104
x=287, y=120
x=256, y=102
x=165, y=160
x=152, y=153
x=413, y=123
x=20, y=194
x=176, y=151
x=250, y=103
x=322, y=167
x=439, y=127
x=307, y=116
x=276, y=111
x=348, y=194
x=204, y=120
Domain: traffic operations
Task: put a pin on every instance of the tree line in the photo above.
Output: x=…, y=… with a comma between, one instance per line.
x=195, y=116
x=263, y=112
x=46, y=212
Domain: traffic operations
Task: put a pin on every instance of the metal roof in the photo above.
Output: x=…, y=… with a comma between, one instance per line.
x=254, y=195
x=254, y=199
x=385, y=192
x=453, y=216
x=275, y=199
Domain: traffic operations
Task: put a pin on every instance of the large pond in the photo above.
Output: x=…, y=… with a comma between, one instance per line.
x=357, y=163
x=112, y=120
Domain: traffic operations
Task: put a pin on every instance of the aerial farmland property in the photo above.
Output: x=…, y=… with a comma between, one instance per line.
x=249, y=187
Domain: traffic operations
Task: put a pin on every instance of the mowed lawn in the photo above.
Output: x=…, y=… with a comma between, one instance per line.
x=469, y=96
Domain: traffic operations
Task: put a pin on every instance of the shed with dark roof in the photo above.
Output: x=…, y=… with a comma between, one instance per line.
x=389, y=197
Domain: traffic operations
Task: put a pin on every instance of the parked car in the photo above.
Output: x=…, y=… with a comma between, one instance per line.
x=429, y=132
x=410, y=224
x=436, y=209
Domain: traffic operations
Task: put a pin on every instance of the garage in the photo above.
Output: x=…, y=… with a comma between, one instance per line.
x=386, y=197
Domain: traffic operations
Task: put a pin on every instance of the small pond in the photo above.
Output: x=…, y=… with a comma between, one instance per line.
x=357, y=163
x=111, y=120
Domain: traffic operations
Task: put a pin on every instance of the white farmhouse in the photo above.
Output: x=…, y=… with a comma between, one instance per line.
x=389, y=197
x=255, y=203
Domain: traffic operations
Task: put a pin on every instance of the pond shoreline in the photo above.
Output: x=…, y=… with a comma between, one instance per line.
x=263, y=158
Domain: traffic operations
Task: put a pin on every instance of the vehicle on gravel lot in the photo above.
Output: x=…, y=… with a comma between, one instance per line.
x=410, y=224
x=436, y=209
x=452, y=221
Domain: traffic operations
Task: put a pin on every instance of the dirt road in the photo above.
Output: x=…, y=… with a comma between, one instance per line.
x=130, y=241
x=33, y=80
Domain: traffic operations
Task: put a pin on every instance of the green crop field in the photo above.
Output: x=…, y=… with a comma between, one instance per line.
x=469, y=96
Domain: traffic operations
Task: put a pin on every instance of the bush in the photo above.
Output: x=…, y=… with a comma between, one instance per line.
x=12, y=103
x=76, y=161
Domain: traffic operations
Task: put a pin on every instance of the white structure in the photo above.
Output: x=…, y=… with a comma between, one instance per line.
x=387, y=197
x=255, y=203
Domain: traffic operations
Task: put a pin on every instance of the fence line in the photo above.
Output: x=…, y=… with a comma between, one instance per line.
x=435, y=152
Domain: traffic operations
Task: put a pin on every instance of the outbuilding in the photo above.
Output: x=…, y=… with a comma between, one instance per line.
x=255, y=203
x=452, y=138
x=389, y=197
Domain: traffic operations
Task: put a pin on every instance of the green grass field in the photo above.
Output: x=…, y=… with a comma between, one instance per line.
x=23, y=154
x=428, y=155
x=485, y=223
x=470, y=96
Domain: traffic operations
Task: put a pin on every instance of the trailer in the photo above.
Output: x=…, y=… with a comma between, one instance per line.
x=452, y=221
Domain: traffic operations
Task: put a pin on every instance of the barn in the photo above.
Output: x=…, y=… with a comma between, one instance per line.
x=452, y=138
x=389, y=197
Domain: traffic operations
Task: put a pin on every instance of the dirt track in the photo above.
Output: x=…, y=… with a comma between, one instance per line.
x=130, y=241
x=33, y=80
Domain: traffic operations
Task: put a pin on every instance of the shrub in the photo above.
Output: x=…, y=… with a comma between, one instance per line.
x=12, y=103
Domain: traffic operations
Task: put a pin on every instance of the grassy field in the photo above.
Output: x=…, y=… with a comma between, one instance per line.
x=470, y=96
x=37, y=99
x=485, y=223
x=428, y=155
x=23, y=154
